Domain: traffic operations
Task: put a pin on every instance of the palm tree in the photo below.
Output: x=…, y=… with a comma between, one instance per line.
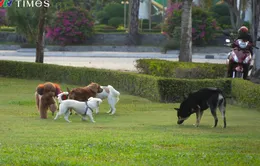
x=133, y=23
x=186, y=32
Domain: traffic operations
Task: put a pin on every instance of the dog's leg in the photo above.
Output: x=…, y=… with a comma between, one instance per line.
x=53, y=108
x=109, y=111
x=66, y=116
x=97, y=110
x=89, y=113
x=222, y=109
x=37, y=100
x=112, y=102
x=57, y=115
x=198, y=116
x=84, y=117
x=214, y=114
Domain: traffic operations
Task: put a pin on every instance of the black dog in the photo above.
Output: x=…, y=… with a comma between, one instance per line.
x=201, y=100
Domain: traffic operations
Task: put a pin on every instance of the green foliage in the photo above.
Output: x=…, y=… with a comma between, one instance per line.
x=204, y=26
x=174, y=90
x=136, y=84
x=161, y=89
x=112, y=11
x=26, y=21
x=246, y=93
x=71, y=26
x=165, y=68
x=7, y=29
x=107, y=28
x=170, y=44
x=102, y=17
x=116, y=21
x=221, y=14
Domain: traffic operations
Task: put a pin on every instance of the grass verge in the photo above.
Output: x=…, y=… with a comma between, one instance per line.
x=140, y=133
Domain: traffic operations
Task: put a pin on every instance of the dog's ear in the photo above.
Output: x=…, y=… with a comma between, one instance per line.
x=40, y=89
x=177, y=109
x=93, y=88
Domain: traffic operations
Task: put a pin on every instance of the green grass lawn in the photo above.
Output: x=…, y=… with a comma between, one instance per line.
x=140, y=133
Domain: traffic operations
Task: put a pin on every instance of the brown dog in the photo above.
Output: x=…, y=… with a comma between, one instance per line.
x=44, y=96
x=84, y=93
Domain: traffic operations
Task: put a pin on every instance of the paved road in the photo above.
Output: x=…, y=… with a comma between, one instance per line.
x=125, y=64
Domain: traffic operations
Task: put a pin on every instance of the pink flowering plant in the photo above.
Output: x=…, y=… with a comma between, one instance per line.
x=204, y=27
x=71, y=26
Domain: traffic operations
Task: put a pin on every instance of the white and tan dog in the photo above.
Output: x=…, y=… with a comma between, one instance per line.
x=83, y=108
x=108, y=92
x=111, y=95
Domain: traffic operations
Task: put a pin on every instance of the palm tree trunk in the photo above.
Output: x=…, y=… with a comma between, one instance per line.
x=186, y=32
x=39, y=43
x=133, y=24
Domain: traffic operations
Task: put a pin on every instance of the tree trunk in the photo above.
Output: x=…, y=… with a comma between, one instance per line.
x=40, y=35
x=186, y=32
x=133, y=24
x=236, y=20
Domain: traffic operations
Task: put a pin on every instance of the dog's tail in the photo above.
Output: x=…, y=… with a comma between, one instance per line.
x=223, y=101
x=113, y=92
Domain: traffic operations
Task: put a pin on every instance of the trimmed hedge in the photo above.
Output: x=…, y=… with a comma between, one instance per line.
x=165, y=68
x=150, y=87
x=246, y=93
x=173, y=90
x=135, y=84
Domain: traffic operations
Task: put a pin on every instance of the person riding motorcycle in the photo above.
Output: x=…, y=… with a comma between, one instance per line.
x=245, y=36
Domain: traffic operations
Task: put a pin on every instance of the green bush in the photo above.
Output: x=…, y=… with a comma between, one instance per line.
x=102, y=17
x=116, y=21
x=170, y=44
x=7, y=29
x=174, y=90
x=109, y=11
x=221, y=14
x=150, y=87
x=204, y=26
x=133, y=83
x=165, y=68
x=246, y=93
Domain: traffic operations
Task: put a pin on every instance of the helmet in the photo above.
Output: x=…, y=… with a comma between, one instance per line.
x=243, y=29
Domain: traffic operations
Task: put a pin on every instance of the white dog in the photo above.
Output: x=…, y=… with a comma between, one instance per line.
x=112, y=96
x=82, y=108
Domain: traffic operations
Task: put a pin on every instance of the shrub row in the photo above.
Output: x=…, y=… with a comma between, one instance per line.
x=150, y=87
x=135, y=84
x=165, y=68
x=246, y=93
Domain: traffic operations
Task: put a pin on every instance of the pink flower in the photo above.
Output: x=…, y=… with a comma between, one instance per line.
x=193, y=30
x=202, y=34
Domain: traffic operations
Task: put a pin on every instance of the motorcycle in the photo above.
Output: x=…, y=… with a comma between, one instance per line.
x=240, y=57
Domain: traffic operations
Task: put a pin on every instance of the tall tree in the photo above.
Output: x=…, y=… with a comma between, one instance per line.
x=186, y=32
x=133, y=23
x=40, y=34
x=237, y=10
